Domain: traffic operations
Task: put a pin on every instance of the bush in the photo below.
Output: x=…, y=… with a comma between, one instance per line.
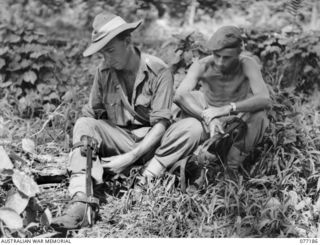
x=28, y=67
x=293, y=59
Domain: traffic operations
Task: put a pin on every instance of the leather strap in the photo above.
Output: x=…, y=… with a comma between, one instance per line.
x=89, y=200
x=78, y=144
x=128, y=106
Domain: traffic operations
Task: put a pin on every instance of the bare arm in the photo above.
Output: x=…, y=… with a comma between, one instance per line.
x=152, y=138
x=188, y=104
x=191, y=79
x=261, y=98
x=182, y=97
x=259, y=101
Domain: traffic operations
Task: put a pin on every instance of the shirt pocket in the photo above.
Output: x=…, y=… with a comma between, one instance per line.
x=113, y=106
x=144, y=98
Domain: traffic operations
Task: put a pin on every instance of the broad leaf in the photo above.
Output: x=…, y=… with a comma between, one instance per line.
x=5, y=162
x=30, y=215
x=29, y=38
x=12, y=38
x=69, y=95
x=25, y=184
x=46, y=218
x=263, y=223
x=10, y=218
x=28, y=145
x=293, y=198
x=17, y=201
x=6, y=84
x=273, y=203
x=25, y=63
x=30, y=76
x=36, y=55
x=4, y=50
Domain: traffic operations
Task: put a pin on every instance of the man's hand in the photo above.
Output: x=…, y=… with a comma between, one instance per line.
x=215, y=126
x=214, y=112
x=118, y=163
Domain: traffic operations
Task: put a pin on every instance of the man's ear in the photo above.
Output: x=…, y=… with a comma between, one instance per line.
x=128, y=40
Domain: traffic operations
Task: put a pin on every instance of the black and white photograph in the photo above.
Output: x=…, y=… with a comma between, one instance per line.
x=159, y=119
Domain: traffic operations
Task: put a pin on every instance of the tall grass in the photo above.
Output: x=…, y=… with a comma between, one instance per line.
x=275, y=195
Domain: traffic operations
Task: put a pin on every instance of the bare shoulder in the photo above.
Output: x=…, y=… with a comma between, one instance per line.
x=250, y=61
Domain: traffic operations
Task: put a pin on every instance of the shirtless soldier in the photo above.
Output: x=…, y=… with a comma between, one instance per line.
x=231, y=83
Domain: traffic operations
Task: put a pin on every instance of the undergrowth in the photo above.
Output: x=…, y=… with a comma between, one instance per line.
x=277, y=191
x=275, y=196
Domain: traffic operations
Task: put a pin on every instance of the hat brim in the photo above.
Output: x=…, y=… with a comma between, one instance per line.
x=96, y=46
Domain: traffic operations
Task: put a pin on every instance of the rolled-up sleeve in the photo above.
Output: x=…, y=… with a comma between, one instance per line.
x=162, y=97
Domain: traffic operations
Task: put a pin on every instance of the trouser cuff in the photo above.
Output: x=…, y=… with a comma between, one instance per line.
x=154, y=169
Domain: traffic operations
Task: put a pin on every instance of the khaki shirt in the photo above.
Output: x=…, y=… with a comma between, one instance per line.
x=151, y=98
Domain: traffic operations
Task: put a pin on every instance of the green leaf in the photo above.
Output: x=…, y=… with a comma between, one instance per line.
x=5, y=162
x=273, y=203
x=28, y=38
x=37, y=66
x=46, y=218
x=4, y=50
x=28, y=145
x=10, y=218
x=53, y=96
x=16, y=201
x=293, y=198
x=30, y=76
x=307, y=69
x=37, y=54
x=12, y=38
x=25, y=184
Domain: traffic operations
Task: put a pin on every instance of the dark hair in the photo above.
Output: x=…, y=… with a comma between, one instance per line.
x=125, y=34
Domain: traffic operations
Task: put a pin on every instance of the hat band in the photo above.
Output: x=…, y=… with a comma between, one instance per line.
x=107, y=28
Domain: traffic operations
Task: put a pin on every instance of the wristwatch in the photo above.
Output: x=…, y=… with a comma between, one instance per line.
x=233, y=106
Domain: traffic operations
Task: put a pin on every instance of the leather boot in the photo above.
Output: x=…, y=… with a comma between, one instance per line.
x=75, y=215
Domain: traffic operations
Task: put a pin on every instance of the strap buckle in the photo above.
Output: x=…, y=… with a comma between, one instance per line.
x=85, y=143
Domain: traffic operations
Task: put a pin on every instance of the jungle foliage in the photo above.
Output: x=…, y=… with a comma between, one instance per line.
x=44, y=81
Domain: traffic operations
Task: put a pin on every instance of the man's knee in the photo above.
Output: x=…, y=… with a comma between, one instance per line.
x=84, y=126
x=257, y=124
x=258, y=119
x=190, y=128
x=85, y=122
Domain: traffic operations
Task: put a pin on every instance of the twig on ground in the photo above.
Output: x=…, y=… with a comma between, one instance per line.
x=48, y=120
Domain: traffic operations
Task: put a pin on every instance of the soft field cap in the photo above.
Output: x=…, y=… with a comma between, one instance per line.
x=106, y=26
x=225, y=37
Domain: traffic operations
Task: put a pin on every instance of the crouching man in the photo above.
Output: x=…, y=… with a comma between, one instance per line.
x=128, y=112
x=230, y=83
